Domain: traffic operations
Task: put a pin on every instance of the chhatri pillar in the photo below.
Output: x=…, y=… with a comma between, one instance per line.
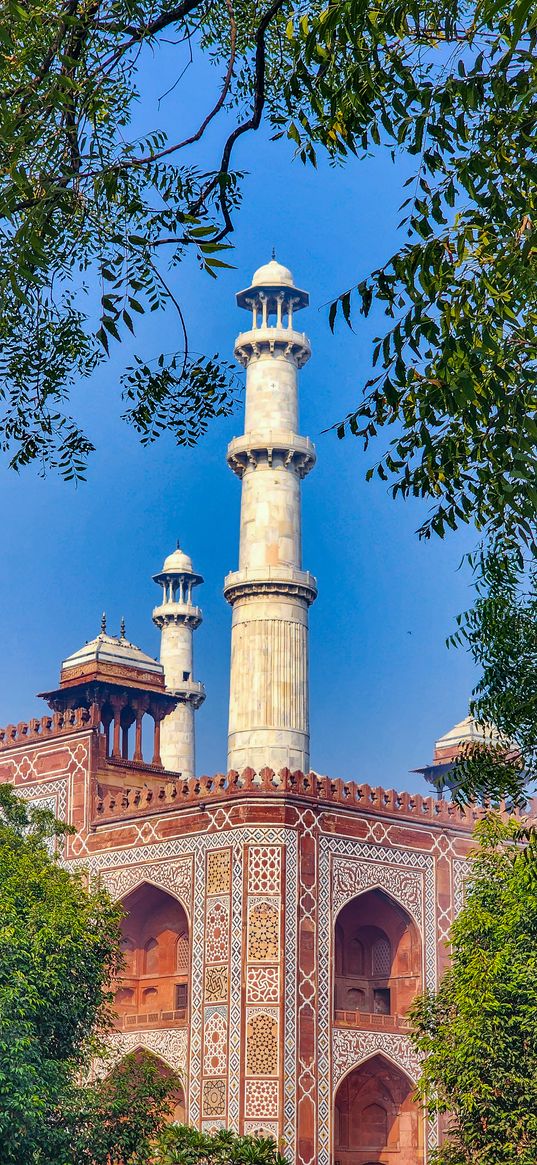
x=270, y=593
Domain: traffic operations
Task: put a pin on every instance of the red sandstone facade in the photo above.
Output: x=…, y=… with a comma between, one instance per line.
x=276, y=930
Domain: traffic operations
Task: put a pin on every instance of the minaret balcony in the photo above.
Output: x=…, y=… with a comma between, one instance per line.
x=270, y=579
x=189, y=692
x=174, y=612
x=272, y=447
x=274, y=341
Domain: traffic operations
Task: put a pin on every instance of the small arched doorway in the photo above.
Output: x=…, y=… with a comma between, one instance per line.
x=377, y=969
x=376, y=1120
x=155, y=942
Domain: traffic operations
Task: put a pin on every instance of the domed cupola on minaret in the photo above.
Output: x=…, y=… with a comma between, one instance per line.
x=177, y=617
x=270, y=592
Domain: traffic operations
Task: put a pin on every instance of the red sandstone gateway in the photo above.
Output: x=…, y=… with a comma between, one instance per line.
x=278, y=923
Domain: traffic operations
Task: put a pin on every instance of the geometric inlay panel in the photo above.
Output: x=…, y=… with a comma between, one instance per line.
x=261, y=1045
x=261, y=1098
x=214, y=1098
x=264, y=869
x=216, y=933
x=218, y=872
x=216, y=983
x=263, y=932
x=461, y=870
x=215, y=1044
x=262, y=984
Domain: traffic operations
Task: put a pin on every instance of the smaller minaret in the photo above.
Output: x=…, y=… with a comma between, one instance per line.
x=178, y=618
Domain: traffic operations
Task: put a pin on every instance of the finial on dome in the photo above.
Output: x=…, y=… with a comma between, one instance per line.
x=103, y=623
x=178, y=545
x=122, y=628
x=273, y=256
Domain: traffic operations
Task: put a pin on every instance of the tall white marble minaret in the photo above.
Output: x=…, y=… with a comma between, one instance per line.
x=178, y=618
x=270, y=592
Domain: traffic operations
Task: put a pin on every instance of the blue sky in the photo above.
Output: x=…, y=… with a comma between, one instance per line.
x=383, y=683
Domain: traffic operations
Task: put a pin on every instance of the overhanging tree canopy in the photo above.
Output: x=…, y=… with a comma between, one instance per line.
x=452, y=84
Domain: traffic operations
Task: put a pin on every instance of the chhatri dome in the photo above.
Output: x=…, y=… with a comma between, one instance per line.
x=273, y=274
x=178, y=562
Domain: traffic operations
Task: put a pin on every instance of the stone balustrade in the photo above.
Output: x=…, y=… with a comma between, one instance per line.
x=130, y=795
x=55, y=724
x=132, y=1021
x=371, y=1020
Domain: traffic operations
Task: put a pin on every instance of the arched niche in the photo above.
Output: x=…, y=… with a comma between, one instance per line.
x=377, y=959
x=376, y=1120
x=156, y=947
x=177, y=1114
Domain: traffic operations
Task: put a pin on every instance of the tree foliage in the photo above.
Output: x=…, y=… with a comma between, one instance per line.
x=180, y=1145
x=478, y=1033
x=500, y=632
x=451, y=84
x=115, y=1119
x=59, y=952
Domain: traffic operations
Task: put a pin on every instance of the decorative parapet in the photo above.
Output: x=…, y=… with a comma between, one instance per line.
x=127, y=797
x=56, y=724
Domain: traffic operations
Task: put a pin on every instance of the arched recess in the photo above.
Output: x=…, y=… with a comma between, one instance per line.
x=156, y=944
x=178, y=1110
x=377, y=959
x=376, y=1119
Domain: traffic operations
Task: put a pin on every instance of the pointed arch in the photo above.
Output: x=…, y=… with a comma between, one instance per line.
x=375, y=1115
x=170, y=1045
x=154, y=924
x=178, y=1097
x=134, y=878
x=387, y=890
x=377, y=957
x=383, y=1054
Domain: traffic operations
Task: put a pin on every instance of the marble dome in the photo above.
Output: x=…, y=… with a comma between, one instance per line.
x=273, y=274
